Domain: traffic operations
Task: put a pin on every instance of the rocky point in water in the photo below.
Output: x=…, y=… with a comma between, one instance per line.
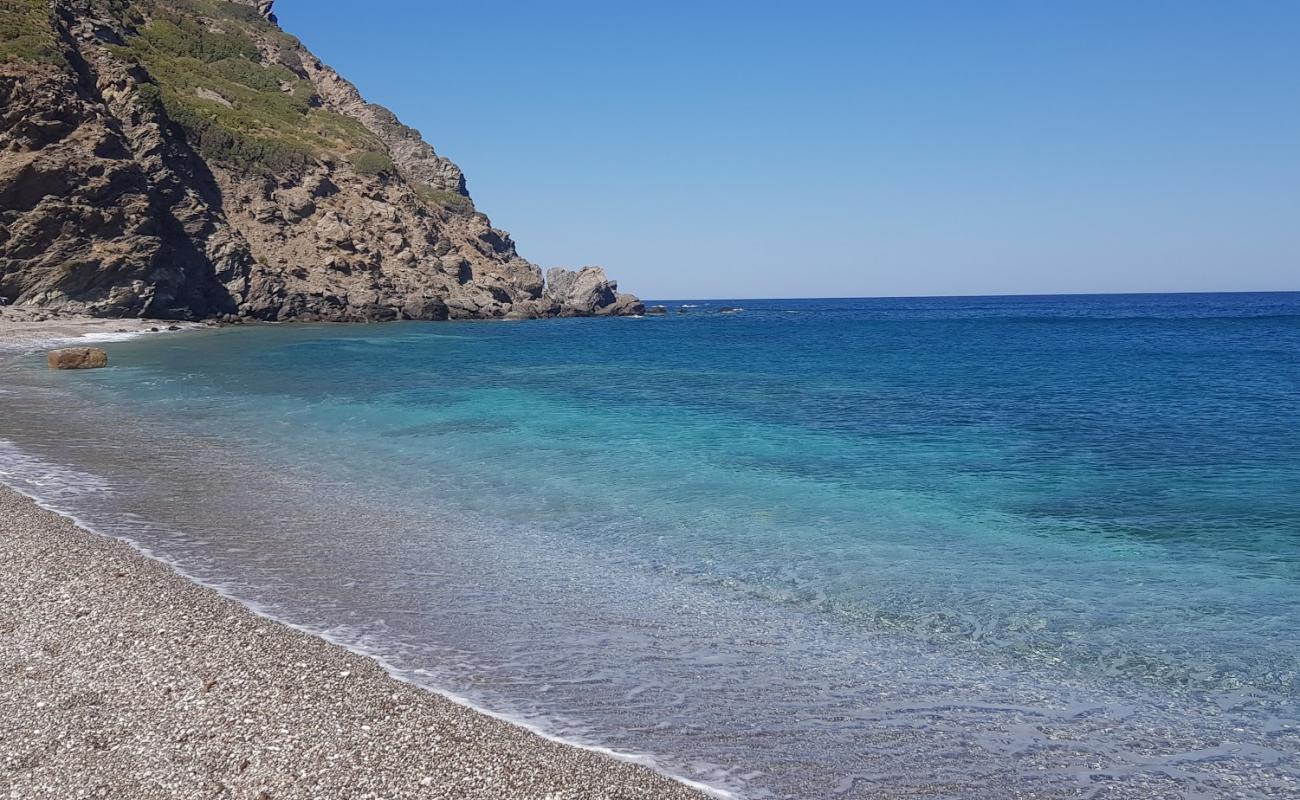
x=188, y=159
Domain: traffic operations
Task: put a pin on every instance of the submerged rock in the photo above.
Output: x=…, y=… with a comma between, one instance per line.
x=656, y=311
x=77, y=358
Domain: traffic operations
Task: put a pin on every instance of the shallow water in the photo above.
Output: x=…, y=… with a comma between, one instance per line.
x=963, y=547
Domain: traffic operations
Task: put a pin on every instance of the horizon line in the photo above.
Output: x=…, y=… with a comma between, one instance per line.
x=967, y=296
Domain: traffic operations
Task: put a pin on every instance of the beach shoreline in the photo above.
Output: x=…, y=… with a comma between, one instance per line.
x=123, y=678
x=561, y=769
x=25, y=329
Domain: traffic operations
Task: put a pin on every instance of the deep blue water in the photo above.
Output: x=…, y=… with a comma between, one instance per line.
x=949, y=547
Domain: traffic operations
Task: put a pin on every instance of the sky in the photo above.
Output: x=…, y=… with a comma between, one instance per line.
x=817, y=149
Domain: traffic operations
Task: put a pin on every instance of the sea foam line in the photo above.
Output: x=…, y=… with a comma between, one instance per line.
x=25, y=342
x=13, y=457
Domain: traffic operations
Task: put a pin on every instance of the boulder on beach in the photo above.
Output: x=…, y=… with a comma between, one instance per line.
x=77, y=358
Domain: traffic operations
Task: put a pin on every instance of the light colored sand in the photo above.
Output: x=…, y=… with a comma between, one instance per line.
x=121, y=679
x=27, y=328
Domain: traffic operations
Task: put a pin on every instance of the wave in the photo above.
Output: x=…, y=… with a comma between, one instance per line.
x=50, y=486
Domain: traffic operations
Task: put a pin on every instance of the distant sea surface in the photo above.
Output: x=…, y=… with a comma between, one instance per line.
x=983, y=547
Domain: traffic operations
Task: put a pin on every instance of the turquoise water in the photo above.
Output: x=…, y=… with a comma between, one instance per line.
x=961, y=547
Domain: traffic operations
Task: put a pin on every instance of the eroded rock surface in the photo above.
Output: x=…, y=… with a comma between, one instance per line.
x=588, y=291
x=77, y=358
x=188, y=159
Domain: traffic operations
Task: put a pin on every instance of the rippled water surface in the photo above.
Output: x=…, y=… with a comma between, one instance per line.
x=937, y=548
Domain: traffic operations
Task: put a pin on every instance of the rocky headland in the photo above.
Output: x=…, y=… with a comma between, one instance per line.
x=189, y=159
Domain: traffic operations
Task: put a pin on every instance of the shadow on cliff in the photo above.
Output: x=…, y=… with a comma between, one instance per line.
x=185, y=208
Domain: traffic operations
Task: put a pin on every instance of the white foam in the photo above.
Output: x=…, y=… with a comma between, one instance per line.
x=29, y=341
x=39, y=480
x=108, y=336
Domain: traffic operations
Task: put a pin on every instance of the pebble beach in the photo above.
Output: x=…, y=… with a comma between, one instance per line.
x=119, y=678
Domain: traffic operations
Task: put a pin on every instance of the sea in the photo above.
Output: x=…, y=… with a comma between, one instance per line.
x=962, y=547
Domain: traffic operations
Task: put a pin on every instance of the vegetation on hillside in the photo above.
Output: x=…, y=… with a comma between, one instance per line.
x=26, y=33
x=221, y=9
x=235, y=108
x=373, y=163
x=441, y=198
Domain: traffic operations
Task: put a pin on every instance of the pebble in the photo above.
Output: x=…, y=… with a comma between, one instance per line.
x=152, y=696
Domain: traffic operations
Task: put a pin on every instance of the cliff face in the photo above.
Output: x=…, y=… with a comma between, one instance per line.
x=188, y=159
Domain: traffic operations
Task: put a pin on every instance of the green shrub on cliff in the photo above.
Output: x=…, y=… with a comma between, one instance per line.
x=220, y=9
x=234, y=108
x=26, y=32
x=202, y=121
x=372, y=163
x=252, y=75
x=150, y=97
x=186, y=38
x=441, y=198
x=287, y=52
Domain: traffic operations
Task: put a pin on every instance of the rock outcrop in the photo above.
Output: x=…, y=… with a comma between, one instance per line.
x=188, y=159
x=588, y=291
x=77, y=358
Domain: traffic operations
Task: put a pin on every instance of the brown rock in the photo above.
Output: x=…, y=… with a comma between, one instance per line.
x=109, y=207
x=77, y=358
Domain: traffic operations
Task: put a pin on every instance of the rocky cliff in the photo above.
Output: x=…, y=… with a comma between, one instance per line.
x=189, y=159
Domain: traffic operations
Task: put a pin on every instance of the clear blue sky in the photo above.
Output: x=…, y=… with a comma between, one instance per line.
x=817, y=148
